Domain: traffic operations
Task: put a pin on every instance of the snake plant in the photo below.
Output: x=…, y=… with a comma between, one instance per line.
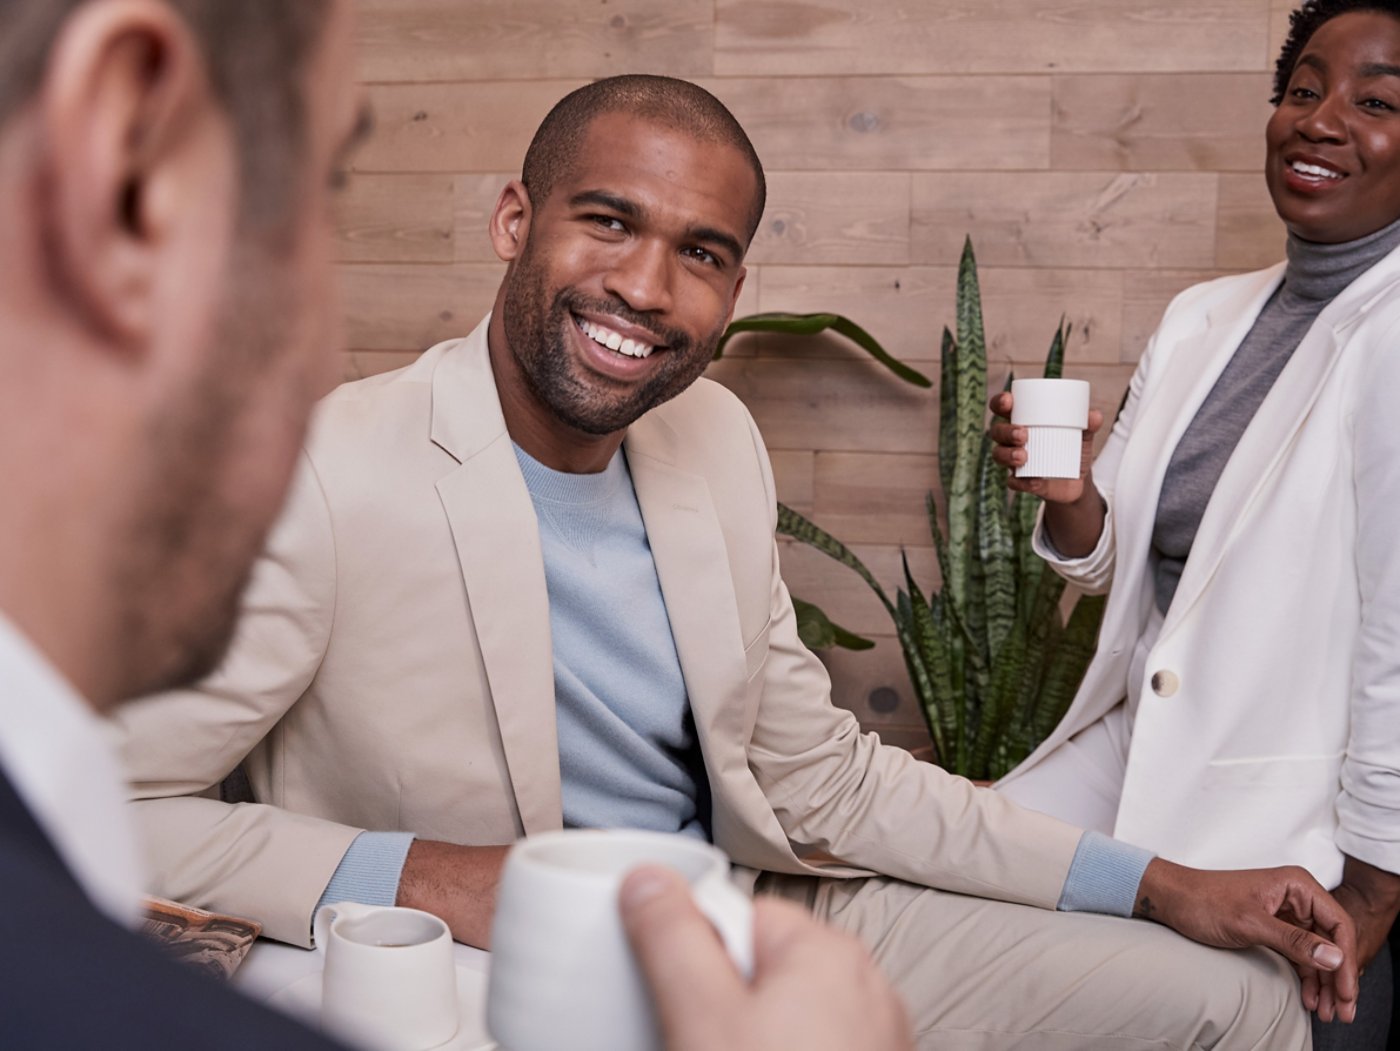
x=992, y=661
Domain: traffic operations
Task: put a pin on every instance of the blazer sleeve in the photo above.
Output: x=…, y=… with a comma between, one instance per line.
x=1368, y=808
x=1093, y=573
x=246, y=859
x=840, y=792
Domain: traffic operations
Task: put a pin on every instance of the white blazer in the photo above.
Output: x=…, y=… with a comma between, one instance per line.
x=1268, y=730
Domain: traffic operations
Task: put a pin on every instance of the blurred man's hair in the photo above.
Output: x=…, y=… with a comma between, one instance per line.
x=256, y=52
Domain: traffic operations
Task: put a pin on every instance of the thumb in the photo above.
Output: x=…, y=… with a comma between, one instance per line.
x=685, y=965
x=1301, y=946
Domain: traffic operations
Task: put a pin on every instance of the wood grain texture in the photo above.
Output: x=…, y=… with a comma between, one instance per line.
x=426, y=40
x=463, y=127
x=793, y=37
x=1068, y=219
x=396, y=219
x=1160, y=122
x=851, y=218
x=409, y=308
x=1250, y=233
x=893, y=123
x=906, y=308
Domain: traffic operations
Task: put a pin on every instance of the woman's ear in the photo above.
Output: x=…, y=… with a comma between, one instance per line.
x=510, y=221
x=122, y=98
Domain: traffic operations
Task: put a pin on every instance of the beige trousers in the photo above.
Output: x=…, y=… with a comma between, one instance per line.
x=985, y=974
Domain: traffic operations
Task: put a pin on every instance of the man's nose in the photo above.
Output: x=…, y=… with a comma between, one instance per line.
x=642, y=276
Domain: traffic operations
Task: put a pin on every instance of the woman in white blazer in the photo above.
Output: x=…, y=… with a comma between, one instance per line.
x=1243, y=707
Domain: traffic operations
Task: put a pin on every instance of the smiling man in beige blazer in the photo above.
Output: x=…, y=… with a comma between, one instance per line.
x=531, y=581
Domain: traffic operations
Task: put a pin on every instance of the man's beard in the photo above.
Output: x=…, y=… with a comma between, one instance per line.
x=193, y=540
x=537, y=330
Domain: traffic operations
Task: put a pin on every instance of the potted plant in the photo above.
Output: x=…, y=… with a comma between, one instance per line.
x=991, y=658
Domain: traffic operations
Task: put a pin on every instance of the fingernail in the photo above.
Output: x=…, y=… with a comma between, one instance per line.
x=641, y=887
x=1328, y=956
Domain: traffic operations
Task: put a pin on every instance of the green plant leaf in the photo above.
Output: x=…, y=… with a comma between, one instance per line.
x=995, y=552
x=1055, y=359
x=943, y=705
x=792, y=524
x=970, y=383
x=819, y=632
x=1068, y=663
x=813, y=324
x=947, y=410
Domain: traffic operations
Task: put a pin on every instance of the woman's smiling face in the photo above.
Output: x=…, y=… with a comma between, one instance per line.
x=1333, y=165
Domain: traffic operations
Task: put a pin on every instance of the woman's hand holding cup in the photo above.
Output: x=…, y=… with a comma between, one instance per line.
x=1009, y=449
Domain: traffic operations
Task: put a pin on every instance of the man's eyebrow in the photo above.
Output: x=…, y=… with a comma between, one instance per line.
x=611, y=201
x=1380, y=69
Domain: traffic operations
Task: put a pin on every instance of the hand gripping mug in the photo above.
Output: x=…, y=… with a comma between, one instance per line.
x=1054, y=413
x=562, y=973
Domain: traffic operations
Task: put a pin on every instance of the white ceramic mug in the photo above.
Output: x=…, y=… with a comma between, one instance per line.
x=390, y=981
x=1054, y=413
x=562, y=973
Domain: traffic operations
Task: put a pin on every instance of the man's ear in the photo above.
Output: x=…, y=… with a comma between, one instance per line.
x=738, y=291
x=510, y=221
x=122, y=94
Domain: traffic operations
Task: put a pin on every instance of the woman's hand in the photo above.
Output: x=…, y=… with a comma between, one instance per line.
x=1074, y=511
x=1009, y=450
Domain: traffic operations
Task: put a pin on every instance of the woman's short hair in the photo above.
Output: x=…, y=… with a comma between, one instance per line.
x=1304, y=22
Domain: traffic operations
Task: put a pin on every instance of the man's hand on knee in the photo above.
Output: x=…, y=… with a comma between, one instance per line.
x=1283, y=909
x=813, y=987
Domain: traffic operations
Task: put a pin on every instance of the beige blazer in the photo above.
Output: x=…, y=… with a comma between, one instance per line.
x=1267, y=728
x=392, y=670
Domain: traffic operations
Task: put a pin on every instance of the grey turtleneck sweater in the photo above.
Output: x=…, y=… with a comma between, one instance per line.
x=1315, y=274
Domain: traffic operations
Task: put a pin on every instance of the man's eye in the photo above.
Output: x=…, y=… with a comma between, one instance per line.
x=703, y=255
x=607, y=222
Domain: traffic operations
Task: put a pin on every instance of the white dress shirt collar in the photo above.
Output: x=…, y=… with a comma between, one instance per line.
x=56, y=753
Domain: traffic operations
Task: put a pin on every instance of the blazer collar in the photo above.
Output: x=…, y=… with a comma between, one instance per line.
x=498, y=549
x=692, y=565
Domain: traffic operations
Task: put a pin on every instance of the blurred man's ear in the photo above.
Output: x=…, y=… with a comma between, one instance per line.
x=123, y=107
x=510, y=221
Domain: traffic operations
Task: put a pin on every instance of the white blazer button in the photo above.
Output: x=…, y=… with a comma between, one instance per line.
x=1165, y=683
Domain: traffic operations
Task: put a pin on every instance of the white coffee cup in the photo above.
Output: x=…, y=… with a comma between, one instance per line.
x=1054, y=413
x=562, y=973
x=390, y=981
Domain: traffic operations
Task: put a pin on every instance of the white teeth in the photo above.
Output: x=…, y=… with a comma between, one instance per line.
x=1314, y=170
x=614, y=340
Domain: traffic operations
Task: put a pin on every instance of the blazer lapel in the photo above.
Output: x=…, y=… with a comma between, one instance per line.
x=498, y=547
x=1263, y=447
x=1190, y=371
x=688, y=547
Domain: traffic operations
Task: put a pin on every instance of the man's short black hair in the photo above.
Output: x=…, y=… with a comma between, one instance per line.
x=1305, y=21
x=675, y=104
x=256, y=52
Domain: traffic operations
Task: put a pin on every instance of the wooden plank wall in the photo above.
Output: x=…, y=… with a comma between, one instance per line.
x=1102, y=154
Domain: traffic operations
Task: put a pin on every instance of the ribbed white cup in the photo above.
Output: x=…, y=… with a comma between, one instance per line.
x=1054, y=413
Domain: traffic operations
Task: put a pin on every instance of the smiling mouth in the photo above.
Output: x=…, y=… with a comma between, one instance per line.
x=614, y=341
x=1314, y=172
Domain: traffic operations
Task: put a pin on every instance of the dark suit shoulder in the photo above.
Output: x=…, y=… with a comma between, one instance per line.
x=70, y=978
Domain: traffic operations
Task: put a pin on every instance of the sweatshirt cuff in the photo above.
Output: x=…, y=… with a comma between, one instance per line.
x=370, y=870
x=1104, y=876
